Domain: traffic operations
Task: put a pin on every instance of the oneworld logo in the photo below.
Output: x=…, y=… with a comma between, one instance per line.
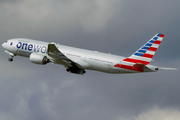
x=31, y=47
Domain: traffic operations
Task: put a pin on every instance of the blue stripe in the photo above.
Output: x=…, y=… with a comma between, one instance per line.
x=152, y=41
x=148, y=44
x=138, y=54
x=159, y=34
x=142, y=51
x=145, y=47
x=155, y=38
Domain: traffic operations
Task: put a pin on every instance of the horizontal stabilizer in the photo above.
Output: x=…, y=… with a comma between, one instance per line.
x=163, y=68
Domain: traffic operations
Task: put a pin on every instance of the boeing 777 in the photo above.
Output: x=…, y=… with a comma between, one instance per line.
x=76, y=60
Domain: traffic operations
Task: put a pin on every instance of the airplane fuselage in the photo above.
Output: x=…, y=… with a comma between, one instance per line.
x=81, y=58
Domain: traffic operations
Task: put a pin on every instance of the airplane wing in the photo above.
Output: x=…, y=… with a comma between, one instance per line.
x=59, y=56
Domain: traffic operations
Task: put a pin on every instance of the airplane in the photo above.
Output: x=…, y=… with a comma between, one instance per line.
x=77, y=60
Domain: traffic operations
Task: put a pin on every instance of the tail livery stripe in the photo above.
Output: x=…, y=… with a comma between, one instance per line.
x=148, y=55
x=142, y=56
x=132, y=68
x=152, y=49
x=129, y=67
x=150, y=52
x=161, y=35
x=151, y=45
x=136, y=61
x=155, y=45
x=157, y=42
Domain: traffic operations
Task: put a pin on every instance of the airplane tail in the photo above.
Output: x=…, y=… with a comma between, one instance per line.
x=143, y=56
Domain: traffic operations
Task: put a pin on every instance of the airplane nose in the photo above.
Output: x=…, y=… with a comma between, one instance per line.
x=3, y=45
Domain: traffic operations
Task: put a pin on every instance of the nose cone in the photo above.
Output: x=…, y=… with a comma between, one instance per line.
x=3, y=45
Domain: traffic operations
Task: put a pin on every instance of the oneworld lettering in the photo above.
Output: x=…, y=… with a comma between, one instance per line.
x=31, y=47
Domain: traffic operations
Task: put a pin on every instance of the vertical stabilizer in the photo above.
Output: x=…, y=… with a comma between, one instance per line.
x=143, y=55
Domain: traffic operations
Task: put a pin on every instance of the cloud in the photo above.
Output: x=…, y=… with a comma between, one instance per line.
x=159, y=114
x=17, y=71
x=27, y=10
x=44, y=16
x=155, y=113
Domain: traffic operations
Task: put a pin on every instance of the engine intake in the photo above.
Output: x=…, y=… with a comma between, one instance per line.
x=39, y=59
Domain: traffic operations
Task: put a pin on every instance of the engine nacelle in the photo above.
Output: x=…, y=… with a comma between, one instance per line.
x=76, y=70
x=39, y=59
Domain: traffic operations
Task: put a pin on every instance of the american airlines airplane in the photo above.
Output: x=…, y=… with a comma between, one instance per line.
x=76, y=60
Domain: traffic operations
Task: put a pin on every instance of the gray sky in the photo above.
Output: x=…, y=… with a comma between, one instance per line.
x=29, y=91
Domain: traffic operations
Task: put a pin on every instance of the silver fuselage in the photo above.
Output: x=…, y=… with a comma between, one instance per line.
x=91, y=60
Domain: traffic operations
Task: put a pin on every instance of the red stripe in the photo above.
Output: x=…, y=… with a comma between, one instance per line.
x=162, y=35
x=152, y=49
x=131, y=68
x=148, y=55
x=157, y=42
x=139, y=68
x=136, y=61
x=117, y=65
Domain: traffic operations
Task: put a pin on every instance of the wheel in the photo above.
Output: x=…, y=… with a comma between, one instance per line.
x=10, y=59
x=67, y=70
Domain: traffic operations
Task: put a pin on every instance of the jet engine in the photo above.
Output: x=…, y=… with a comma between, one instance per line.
x=39, y=59
x=76, y=70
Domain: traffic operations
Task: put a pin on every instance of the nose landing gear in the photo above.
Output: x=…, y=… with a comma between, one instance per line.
x=11, y=54
x=10, y=59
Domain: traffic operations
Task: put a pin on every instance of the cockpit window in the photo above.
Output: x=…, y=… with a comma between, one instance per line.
x=11, y=43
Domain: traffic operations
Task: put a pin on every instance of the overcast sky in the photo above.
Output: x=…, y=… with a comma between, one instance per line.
x=35, y=92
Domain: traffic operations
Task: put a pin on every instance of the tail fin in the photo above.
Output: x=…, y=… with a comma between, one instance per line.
x=145, y=54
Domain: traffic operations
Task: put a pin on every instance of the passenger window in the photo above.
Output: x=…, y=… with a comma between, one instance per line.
x=11, y=43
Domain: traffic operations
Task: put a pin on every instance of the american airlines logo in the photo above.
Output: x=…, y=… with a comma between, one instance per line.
x=31, y=47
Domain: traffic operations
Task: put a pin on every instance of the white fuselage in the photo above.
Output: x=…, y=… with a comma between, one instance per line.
x=91, y=60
